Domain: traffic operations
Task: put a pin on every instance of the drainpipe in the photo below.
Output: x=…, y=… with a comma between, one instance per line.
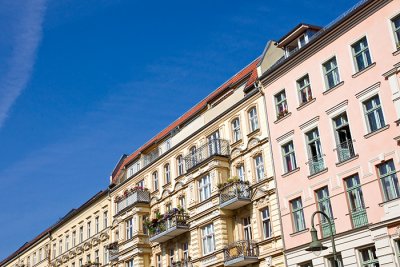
x=258, y=85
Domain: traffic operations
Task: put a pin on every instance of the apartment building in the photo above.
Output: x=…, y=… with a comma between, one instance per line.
x=202, y=192
x=333, y=105
x=80, y=238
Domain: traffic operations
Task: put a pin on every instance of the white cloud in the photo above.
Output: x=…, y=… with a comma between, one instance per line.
x=26, y=37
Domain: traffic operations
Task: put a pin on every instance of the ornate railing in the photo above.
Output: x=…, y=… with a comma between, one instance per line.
x=240, y=190
x=215, y=147
x=113, y=251
x=170, y=221
x=359, y=217
x=241, y=249
x=131, y=198
x=316, y=164
x=182, y=263
x=345, y=151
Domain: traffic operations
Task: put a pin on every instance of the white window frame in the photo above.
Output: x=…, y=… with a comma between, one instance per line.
x=208, y=240
x=129, y=228
x=291, y=154
x=156, y=183
x=253, y=119
x=167, y=173
x=363, y=54
x=259, y=167
x=331, y=71
x=180, y=165
x=204, y=187
x=374, y=109
x=266, y=223
x=236, y=133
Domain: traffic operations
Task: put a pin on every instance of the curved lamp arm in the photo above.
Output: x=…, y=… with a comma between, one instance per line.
x=331, y=228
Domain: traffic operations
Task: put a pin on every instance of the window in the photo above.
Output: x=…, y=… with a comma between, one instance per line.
x=331, y=261
x=73, y=264
x=87, y=258
x=145, y=230
x=34, y=258
x=185, y=249
x=281, y=104
x=158, y=260
x=298, y=215
x=304, y=88
x=28, y=261
x=344, y=142
x=105, y=219
x=331, y=73
x=253, y=119
x=193, y=157
x=171, y=256
x=259, y=164
x=96, y=256
x=140, y=183
x=66, y=242
x=248, y=235
x=373, y=114
x=179, y=162
x=397, y=244
x=289, y=158
x=182, y=202
x=389, y=181
x=368, y=257
x=324, y=205
x=314, y=148
x=88, y=230
x=40, y=255
x=266, y=223
x=134, y=168
x=106, y=257
x=240, y=172
x=207, y=233
x=214, y=143
x=96, y=225
x=54, y=250
x=236, y=130
x=80, y=234
x=396, y=30
x=60, y=250
x=155, y=180
x=130, y=263
x=306, y=264
x=73, y=238
x=129, y=228
x=167, y=173
x=356, y=201
x=80, y=262
x=204, y=188
x=361, y=56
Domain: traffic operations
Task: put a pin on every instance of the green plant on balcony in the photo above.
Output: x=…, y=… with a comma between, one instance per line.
x=157, y=224
x=129, y=192
x=230, y=181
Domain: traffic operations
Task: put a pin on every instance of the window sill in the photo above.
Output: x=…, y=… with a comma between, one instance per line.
x=291, y=172
x=363, y=70
x=253, y=133
x=236, y=143
x=397, y=52
x=376, y=131
x=303, y=105
x=166, y=185
x=282, y=118
x=397, y=122
x=318, y=173
x=333, y=88
x=299, y=232
x=388, y=201
x=347, y=160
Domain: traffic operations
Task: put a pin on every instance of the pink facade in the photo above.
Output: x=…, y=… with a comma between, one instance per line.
x=346, y=144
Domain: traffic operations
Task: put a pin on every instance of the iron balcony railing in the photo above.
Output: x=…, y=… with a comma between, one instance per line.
x=345, y=151
x=181, y=263
x=316, y=164
x=132, y=198
x=239, y=190
x=215, y=147
x=359, y=217
x=241, y=249
x=113, y=251
x=169, y=223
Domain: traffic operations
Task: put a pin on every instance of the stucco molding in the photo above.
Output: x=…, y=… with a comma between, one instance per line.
x=309, y=124
x=368, y=91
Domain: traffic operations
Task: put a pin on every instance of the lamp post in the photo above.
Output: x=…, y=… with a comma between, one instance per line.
x=316, y=245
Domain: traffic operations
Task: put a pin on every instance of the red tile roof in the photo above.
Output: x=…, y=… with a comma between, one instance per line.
x=250, y=69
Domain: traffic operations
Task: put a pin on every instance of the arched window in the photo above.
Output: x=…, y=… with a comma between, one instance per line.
x=155, y=180
x=167, y=173
x=236, y=134
x=253, y=119
x=179, y=163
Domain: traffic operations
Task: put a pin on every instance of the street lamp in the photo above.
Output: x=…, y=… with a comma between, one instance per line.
x=316, y=246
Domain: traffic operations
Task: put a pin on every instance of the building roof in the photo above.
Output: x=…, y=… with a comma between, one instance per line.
x=250, y=69
x=294, y=33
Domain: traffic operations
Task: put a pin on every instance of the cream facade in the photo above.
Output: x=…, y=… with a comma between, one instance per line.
x=212, y=189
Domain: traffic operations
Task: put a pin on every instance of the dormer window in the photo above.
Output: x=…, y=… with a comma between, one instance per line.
x=297, y=38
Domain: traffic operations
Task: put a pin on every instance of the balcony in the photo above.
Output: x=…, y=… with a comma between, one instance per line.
x=234, y=195
x=132, y=197
x=215, y=147
x=316, y=164
x=241, y=253
x=359, y=217
x=345, y=151
x=182, y=263
x=167, y=226
x=113, y=251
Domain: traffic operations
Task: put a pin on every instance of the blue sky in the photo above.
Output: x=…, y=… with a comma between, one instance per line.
x=82, y=82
